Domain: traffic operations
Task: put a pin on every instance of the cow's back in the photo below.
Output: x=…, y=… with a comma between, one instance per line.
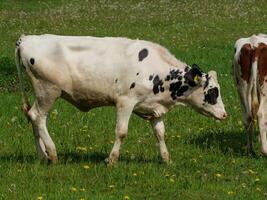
x=97, y=70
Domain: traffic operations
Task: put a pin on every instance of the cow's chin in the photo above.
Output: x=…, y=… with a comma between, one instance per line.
x=216, y=115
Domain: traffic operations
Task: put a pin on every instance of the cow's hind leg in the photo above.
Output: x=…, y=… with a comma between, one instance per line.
x=159, y=131
x=45, y=99
x=124, y=110
x=262, y=117
x=248, y=124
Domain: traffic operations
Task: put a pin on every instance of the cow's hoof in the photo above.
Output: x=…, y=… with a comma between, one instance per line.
x=110, y=161
x=251, y=154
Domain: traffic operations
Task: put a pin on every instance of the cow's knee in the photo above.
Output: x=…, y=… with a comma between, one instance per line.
x=121, y=133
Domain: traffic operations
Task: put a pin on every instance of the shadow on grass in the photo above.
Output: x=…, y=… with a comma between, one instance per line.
x=74, y=157
x=99, y=157
x=231, y=142
x=18, y=158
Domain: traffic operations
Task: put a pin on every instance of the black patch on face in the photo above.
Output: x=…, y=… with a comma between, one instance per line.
x=137, y=73
x=207, y=81
x=32, y=61
x=142, y=54
x=211, y=96
x=157, y=85
x=150, y=77
x=132, y=85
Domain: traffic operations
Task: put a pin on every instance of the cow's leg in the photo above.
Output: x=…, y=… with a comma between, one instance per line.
x=247, y=116
x=159, y=131
x=124, y=110
x=38, y=116
x=248, y=124
x=262, y=117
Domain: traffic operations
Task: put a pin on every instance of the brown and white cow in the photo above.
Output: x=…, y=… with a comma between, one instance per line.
x=133, y=75
x=250, y=70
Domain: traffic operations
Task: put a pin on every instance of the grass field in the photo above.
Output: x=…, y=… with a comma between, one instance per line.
x=208, y=157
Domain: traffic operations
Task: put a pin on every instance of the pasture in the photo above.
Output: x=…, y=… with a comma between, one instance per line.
x=208, y=156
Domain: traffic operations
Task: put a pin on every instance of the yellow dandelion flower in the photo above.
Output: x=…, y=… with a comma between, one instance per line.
x=86, y=167
x=257, y=180
x=218, y=175
x=82, y=198
x=82, y=189
x=111, y=186
x=81, y=148
x=251, y=171
x=73, y=189
x=258, y=189
x=134, y=174
x=40, y=198
x=126, y=197
x=230, y=192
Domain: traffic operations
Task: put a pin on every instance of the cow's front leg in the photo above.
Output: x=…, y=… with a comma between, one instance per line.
x=124, y=110
x=159, y=131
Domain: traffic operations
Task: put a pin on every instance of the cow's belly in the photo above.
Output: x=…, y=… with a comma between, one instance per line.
x=87, y=101
x=149, y=110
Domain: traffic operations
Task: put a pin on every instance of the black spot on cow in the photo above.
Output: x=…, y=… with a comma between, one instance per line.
x=207, y=81
x=157, y=85
x=151, y=77
x=168, y=77
x=177, y=89
x=116, y=80
x=137, y=73
x=211, y=96
x=174, y=74
x=142, y=54
x=186, y=69
x=132, y=85
x=32, y=61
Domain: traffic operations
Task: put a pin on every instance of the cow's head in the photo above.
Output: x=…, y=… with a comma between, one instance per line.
x=207, y=99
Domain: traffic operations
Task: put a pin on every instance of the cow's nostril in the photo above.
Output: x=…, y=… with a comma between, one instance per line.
x=224, y=115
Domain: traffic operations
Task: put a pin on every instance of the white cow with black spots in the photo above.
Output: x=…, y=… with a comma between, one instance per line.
x=133, y=75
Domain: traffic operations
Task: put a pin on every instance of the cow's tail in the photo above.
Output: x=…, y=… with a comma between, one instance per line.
x=254, y=90
x=25, y=103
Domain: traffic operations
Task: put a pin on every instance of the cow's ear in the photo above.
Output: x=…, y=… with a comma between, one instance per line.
x=196, y=70
x=213, y=74
x=197, y=74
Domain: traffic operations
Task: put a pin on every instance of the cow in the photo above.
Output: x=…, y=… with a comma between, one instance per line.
x=135, y=76
x=250, y=70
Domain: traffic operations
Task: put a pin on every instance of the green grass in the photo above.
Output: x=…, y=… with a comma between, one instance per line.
x=209, y=157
